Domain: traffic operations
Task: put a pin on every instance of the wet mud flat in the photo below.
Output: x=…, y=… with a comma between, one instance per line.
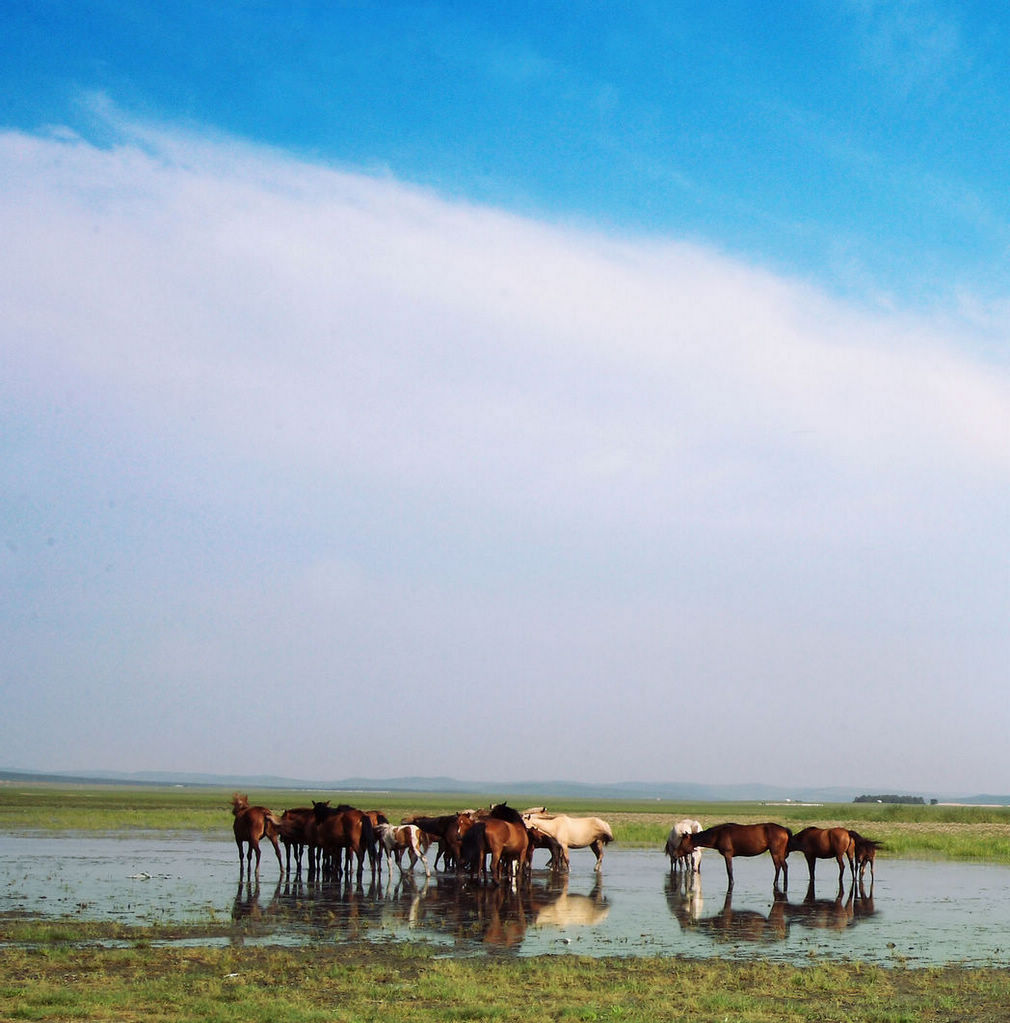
x=915, y=914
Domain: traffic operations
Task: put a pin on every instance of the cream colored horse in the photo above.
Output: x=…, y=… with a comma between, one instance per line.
x=573, y=833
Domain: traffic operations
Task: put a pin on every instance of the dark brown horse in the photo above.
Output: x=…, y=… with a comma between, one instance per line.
x=343, y=830
x=505, y=841
x=824, y=844
x=864, y=851
x=742, y=840
x=298, y=831
x=447, y=831
x=253, y=823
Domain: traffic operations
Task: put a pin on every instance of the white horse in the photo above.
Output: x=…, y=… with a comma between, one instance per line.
x=395, y=839
x=677, y=832
x=573, y=833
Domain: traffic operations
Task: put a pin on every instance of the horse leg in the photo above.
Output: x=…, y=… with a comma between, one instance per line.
x=241, y=858
x=811, y=864
x=841, y=870
x=780, y=864
x=420, y=855
x=728, y=860
x=597, y=848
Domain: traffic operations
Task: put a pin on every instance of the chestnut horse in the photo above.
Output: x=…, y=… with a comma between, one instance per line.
x=824, y=844
x=503, y=835
x=447, y=830
x=298, y=830
x=344, y=830
x=864, y=850
x=743, y=840
x=253, y=823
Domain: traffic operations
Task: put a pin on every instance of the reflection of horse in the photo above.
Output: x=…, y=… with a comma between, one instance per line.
x=823, y=844
x=395, y=840
x=681, y=828
x=574, y=833
x=253, y=823
x=503, y=836
x=685, y=900
x=865, y=852
x=830, y=914
x=743, y=840
x=731, y=924
x=563, y=909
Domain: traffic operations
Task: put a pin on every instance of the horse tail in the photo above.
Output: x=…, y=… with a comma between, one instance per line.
x=471, y=849
x=368, y=837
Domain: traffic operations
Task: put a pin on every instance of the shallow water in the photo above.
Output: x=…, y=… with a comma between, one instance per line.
x=917, y=913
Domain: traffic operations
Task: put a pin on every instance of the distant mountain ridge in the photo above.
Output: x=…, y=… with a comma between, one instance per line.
x=557, y=789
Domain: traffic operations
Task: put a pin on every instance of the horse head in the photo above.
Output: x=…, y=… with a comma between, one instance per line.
x=239, y=802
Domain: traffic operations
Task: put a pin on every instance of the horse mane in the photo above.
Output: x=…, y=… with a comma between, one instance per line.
x=504, y=812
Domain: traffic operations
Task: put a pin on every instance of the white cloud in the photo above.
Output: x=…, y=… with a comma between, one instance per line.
x=372, y=434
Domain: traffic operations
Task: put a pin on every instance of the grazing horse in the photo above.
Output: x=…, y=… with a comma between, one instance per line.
x=253, y=823
x=824, y=844
x=503, y=835
x=396, y=839
x=344, y=829
x=573, y=833
x=864, y=851
x=743, y=840
x=681, y=828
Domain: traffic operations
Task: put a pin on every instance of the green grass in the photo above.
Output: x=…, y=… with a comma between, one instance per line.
x=958, y=833
x=365, y=983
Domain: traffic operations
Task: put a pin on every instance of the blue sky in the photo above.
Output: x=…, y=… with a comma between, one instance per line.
x=633, y=377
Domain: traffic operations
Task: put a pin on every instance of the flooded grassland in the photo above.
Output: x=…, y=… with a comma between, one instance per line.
x=131, y=923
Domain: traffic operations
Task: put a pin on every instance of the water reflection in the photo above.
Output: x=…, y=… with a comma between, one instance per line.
x=459, y=909
x=927, y=913
x=753, y=926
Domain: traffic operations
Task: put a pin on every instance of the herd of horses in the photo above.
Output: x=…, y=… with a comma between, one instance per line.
x=497, y=844
x=687, y=839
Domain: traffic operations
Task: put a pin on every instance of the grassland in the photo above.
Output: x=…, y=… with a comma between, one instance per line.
x=945, y=832
x=70, y=969
x=353, y=982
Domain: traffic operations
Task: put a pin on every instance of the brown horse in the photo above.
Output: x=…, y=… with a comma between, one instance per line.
x=864, y=851
x=344, y=830
x=298, y=830
x=253, y=823
x=824, y=844
x=742, y=840
x=505, y=841
x=447, y=831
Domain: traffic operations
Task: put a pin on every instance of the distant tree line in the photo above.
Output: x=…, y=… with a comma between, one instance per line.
x=915, y=800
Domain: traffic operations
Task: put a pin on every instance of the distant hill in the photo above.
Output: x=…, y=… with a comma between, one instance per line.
x=556, y=789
